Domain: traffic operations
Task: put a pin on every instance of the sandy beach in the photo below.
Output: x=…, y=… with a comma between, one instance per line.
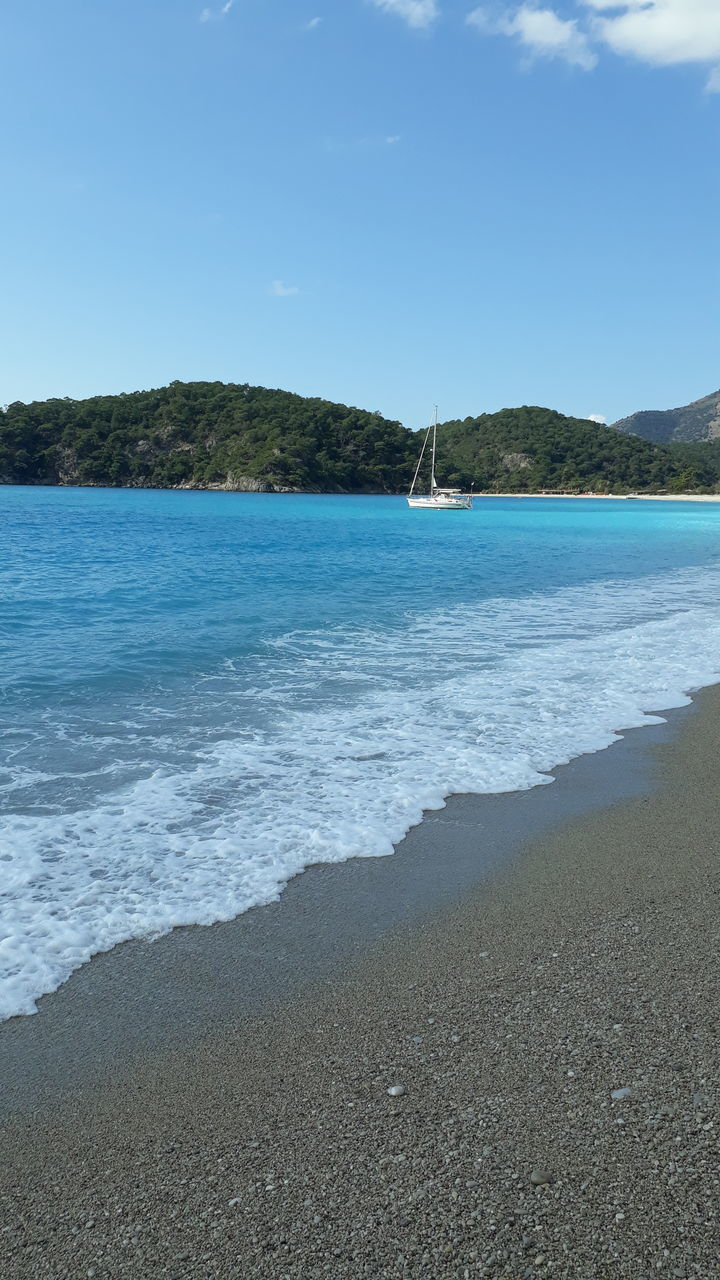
x=615, y=497
x=552, y=1029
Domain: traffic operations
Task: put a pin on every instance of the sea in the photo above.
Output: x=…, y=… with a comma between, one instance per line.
x=204, y=693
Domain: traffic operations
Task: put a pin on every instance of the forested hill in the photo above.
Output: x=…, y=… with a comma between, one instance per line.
x=204, y=434
x=216, y=435
x=530, y=448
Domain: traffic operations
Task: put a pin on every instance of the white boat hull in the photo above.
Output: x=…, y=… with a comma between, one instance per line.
x=424, y=502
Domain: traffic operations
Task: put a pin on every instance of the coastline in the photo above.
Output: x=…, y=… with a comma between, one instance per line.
x=510, y=997
x=368, y=493
x=614, y=497
x=149, y=995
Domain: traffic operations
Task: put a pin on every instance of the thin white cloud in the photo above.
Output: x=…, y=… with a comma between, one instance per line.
x=541, y=33
x=343, y=146
x=417, y=13
x=209, y=15
x=660, y=33
x=280, y=290
x=312, y=24
x=597, y=417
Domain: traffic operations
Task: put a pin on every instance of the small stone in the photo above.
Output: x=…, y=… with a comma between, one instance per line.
x=541, y=1177
x=396, y=1090
x=618, y=1094
x=233, y=1202
x=538, y=1259
x=527, y=1242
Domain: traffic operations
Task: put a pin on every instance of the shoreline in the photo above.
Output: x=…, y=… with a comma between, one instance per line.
x=330, y=493
x=265, y=1144
x=614, y=497
x=154, y=994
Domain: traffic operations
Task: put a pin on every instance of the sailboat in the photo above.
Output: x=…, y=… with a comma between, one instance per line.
x=437, y=499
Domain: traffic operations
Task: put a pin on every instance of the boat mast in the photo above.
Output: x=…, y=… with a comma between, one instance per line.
x=433, y=483
x=419, y=463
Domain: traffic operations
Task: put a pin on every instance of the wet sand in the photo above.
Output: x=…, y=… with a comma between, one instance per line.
x=509, y=978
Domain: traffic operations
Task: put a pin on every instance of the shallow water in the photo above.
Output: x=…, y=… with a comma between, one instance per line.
x=205, y=693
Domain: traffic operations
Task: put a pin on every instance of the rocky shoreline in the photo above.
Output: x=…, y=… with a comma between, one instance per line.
x=250, y=484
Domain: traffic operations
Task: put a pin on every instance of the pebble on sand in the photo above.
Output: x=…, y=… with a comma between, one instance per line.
x=541, y=1177
x=618, y=1094
x=396, y=1090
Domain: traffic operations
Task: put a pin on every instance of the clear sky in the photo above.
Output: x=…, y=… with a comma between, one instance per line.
x=390, y=203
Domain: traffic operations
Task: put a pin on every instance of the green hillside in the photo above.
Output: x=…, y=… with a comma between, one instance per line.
x=700, y=461
x=203, y=434
x=232, y=436
x=531, y=448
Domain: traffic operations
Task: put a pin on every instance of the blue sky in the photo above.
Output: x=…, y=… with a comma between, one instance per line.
x=390, y=203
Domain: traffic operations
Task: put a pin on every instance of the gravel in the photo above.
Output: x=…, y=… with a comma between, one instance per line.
x=513, y=1021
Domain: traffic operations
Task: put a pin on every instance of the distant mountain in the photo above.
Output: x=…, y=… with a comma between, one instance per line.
x=215, y=435
x=697, y=421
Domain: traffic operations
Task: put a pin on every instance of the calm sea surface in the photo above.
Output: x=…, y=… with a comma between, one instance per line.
x=204, y=693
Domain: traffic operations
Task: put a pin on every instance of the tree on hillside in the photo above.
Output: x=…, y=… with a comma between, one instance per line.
x=213, y=433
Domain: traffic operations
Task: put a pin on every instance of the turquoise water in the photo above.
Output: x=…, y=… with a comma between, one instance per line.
x=204, y=693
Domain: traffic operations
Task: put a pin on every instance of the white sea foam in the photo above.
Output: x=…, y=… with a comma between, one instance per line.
x=330, y=747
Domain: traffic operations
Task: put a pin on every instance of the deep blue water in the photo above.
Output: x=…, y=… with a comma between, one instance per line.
x=203, y=693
